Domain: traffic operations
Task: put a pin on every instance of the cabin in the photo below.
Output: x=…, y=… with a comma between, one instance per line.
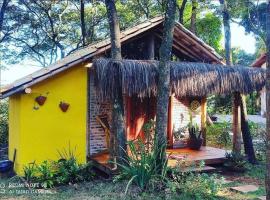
x=261, y=63
x=67, y=106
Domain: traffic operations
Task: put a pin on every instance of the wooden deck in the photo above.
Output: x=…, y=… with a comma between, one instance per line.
x=209, y=155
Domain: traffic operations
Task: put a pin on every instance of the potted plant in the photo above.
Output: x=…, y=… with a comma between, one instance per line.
x=195, y=139
x=195, y=135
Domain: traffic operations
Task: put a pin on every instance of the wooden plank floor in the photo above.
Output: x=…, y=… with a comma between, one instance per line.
x=209, y=155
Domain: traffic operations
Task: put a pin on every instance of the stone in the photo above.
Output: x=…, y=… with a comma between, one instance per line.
x=262, y=198
x=245, y=188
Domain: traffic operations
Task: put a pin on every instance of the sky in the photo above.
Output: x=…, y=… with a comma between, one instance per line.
x=14, y=72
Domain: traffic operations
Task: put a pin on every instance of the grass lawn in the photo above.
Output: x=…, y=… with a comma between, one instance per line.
x=106, y=189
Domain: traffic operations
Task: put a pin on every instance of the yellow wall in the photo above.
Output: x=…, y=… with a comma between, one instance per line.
x=14, y=127
x=38, y=134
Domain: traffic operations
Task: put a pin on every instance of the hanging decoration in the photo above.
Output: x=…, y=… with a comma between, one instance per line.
x=63, y=106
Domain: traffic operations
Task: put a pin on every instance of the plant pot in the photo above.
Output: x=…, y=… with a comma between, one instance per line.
x=40, y=100
x=213, y=118
x=64, y=106
x=5, y=166
x=195, y=144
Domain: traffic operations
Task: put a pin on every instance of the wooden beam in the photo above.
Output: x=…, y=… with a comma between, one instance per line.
x=170, y=124
x=236, y=122
x=181, y=48
x=151, y=47
x=203, y=118
x=200, y=46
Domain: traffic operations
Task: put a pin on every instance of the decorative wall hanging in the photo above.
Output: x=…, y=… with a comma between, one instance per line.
x=194, y=105
x=63, y=106
x=40, y=100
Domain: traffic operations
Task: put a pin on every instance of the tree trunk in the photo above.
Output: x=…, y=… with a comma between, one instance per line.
x=164, y=82
x=227, y=32
x=240, y=122
x=267, y=91
x=83, y=28
x=248, y=144
x=2, y=13
x=236, y=95
x=236, y=122
x=193, y=16
x=181, y=11
x=118, y=146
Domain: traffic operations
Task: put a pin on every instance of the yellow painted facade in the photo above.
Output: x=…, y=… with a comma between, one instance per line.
x=40, y=132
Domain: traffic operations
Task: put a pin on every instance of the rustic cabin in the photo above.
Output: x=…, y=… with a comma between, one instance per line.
x=67, y=105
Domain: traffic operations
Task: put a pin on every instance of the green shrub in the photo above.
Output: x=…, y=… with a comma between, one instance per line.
x=218, y=134
x=46, y=174
x=3, y=122
x=258, y=132
x=68, y=171
x=193, y=186
x=236, y=162
x=64, y=171
x=141, y=167
x=30, y=172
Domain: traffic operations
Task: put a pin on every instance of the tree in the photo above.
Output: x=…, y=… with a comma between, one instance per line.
x=118, y=143
x=193, y=16
x=208, y=28
x=83, y=28
x=239, y=104
x=267, y=91
x=45, y=31
x=163, y=88
x=181, y=9
x=2, y=12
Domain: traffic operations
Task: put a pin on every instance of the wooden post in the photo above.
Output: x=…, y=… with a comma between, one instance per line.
x=170, y=125
x=203, y=119
x=151, y=47
x=236, y=122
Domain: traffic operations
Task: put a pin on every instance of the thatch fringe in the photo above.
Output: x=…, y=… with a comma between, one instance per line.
x=138, y=77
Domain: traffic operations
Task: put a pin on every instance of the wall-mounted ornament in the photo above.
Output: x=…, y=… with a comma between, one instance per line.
x=194, y=105
x=40, y=100
x=63, y=106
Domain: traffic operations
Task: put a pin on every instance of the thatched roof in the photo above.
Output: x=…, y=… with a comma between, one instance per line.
x=138, y=77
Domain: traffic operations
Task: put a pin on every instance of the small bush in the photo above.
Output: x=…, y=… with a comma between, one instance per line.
x=218, y=134
x=53, y=173
x=235, y=162
x=141, y=166
x=258, y=132
x=68, y=171
x=193, y=186
x=45, y=174
x=30, y=172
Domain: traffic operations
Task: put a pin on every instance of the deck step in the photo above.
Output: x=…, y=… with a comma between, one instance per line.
x=199, y=169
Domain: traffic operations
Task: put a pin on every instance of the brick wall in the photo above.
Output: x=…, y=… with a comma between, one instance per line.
x=96, y=135
x=180, y=113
